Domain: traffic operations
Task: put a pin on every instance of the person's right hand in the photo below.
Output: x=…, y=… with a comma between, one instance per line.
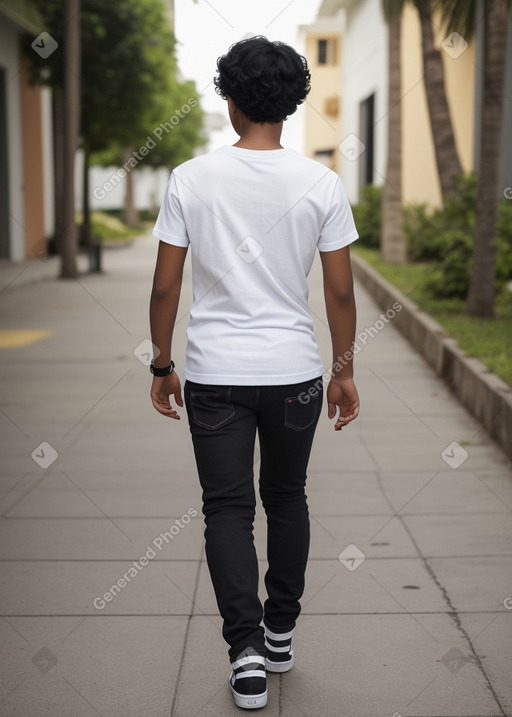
x=342, y=394
x=162, y=388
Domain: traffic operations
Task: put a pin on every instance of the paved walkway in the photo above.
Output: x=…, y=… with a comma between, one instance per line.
x=410, y=620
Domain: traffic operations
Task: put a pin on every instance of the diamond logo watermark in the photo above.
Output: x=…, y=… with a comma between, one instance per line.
x=146, y=351
x=454, y=660
x=249, y=249
x=44, y=660
x=454, y=45
x=45, y=45
x=351, y=557
x=351, y=147
x=454, y=455
x=44, y=455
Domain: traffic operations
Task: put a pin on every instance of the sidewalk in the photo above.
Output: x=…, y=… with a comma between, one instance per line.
x=414, y=619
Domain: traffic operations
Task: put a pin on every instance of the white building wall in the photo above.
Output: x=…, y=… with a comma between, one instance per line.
x=10, y=61
x=364, y=71
x=149, y=187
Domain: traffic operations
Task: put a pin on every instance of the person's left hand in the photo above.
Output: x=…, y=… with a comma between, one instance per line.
x=161, y=389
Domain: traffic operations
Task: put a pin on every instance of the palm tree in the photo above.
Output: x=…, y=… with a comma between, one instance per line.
x=68, y=239
x=461, y=18
x=393, y=246
x=447, y=158
x=495, y=16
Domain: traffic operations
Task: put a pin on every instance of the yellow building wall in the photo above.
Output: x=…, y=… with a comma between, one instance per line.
x=420, y=183
x=323, y=127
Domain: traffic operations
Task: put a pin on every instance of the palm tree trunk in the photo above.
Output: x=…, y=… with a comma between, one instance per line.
x=393, y=247
x=447, y=158
x=482, y=286
x=72, y=55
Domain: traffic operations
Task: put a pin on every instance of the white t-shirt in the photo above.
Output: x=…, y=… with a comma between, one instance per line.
x=253, y=219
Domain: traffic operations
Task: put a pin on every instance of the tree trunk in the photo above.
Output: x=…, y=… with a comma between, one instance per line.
x=58, y=166
x=86, y=209
x=130, y=214
x=447, y=158
x=482, y=285
x=72, y=56
x=393, y=247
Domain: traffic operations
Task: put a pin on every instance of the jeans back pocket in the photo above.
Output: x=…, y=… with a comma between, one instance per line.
x=211, y=407
x=301, y=411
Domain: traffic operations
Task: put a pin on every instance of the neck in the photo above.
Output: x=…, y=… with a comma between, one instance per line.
x=261, y=136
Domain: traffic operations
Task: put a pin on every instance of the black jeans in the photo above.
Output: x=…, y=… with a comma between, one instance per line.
x=223, y=422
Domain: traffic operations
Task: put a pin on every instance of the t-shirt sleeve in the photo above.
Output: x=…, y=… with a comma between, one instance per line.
x=339, y=228
x=170, y=225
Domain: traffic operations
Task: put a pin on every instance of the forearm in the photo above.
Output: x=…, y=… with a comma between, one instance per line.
x=341, y=315
x=163, y=309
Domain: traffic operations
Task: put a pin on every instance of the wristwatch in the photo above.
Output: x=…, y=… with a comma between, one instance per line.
x=161, y=372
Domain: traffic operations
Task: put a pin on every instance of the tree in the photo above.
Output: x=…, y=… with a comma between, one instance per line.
x=128, y=65
x=393, y=246
x=68, y=239
x=447, y=159
x=172, y=131
x=460, y=17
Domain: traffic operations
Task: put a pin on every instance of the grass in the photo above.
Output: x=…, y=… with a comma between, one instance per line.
x=490, y=340
x=107, y=227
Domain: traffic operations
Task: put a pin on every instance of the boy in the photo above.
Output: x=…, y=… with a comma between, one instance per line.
x=254, y=215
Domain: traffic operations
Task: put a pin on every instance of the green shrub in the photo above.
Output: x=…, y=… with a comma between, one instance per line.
x=368, y=216
x=148, y=215
x=451, y=278
x=504, y=244
x=426, y=232
x=459, y=210
x=421, y=234
x=446, y=236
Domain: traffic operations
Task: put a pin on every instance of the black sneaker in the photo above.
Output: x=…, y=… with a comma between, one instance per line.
x=248, y=680
x=279, y=650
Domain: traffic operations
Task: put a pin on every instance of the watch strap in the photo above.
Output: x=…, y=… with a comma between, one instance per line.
x=161, y=372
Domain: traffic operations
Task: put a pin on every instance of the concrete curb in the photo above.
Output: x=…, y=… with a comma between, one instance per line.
x=483, y=393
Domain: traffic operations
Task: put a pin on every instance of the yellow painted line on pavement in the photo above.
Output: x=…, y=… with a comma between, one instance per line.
x=17, y=338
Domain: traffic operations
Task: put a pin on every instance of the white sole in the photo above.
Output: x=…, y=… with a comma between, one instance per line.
x=250, y=702
x=279, y=666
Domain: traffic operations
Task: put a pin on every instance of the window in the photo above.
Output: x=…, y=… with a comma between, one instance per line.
x=325, y=156
x=327, y=51
x=367, y=135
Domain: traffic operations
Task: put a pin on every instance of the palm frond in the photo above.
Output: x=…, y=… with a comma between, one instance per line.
x=457, y=15
x=460, y=15
x=392, y=8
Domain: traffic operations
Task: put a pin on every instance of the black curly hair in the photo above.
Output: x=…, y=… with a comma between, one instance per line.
x=266, y=80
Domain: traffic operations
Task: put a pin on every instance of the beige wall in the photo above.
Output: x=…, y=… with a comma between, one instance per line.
x=322, y=127
x=420, y=183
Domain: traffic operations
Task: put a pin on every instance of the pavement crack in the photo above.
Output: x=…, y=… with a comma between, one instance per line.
x=453, y=613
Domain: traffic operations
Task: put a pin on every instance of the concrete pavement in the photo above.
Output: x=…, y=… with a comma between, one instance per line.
x=408, y=605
